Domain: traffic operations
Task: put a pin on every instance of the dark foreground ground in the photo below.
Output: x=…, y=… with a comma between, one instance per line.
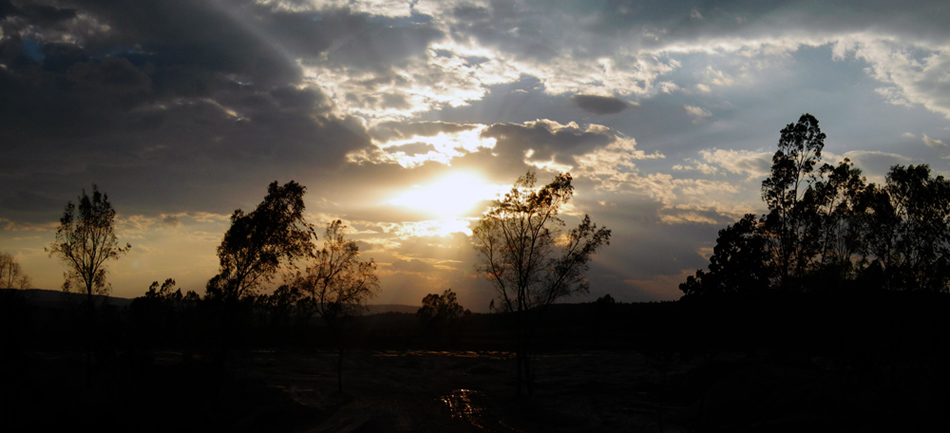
x=740, y=365
x=415, y=391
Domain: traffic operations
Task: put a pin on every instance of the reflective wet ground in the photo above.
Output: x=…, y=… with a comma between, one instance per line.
x=466, y=405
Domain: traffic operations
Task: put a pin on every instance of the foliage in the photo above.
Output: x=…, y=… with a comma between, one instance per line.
x=831, y=229
x=258, y=243
x=283, y=305
x=440, y=314
x=85, y=240
x=911, y=241
x=789, y=221
x=736, y=264
x=440, y=309
x=527, y=258
x=337, y=283
x=164, y=314
x=522, y=251
x=841, y=226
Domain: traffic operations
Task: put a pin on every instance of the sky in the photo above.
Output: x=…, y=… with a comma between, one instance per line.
x=404, y=119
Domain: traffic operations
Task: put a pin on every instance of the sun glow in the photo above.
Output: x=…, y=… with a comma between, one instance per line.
x=451, y=196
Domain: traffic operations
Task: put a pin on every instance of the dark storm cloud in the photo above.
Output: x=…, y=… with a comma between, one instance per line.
x=681, y=20
x=507, y=25
x=43, y=14
x=599, y=28
x=356, y=40
x=600, y=104
x=156, y=99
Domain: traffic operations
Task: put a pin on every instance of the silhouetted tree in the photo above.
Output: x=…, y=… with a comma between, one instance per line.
x=910, y=236
x=258, y=243
x=738, y=264
x=790, y=221
x=155, y=315
x=841, y=225
x=439, y=312
x=253, y=251
x=282, y=305
x=85, y=240
x=522, y=253
x=11, y=274
x=337, y=284
x=832, y=229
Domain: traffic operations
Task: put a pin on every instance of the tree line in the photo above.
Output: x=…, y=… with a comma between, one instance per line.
x=523, y=252
x=828, y=229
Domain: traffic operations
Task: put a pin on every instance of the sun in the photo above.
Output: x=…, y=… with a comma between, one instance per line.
x=454, y=195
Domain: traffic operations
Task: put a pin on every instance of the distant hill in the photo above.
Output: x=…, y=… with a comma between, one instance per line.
x=392, y=308
x=57, y=299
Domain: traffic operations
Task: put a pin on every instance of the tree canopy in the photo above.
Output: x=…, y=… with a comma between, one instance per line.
x=829, y=229
x=521, y=250
x=85, y=241
x=259, y=242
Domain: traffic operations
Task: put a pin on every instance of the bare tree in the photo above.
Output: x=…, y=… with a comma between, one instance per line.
x=12, y=275
x=529, y=260
x=338, y=284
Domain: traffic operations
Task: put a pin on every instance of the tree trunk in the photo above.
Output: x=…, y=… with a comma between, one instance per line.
x=339, y=345
x=90, y=324
x=339, y=372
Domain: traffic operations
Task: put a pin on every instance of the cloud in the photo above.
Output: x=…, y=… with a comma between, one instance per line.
x=753, y=164
x=387, y=131
x=699, y=166
x=912, y=72
x=934, y=144
x=416, y=144
x=876, y=164
x=697, y=113
x=592, y=150
x=600, y=104
x=171, y=220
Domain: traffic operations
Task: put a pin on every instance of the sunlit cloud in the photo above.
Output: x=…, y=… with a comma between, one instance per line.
x=419, y=149
x=449, y=198
x=698, y=113
x=610, y=165
x=754, y=164
x=915, y=73
x=449, y=74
